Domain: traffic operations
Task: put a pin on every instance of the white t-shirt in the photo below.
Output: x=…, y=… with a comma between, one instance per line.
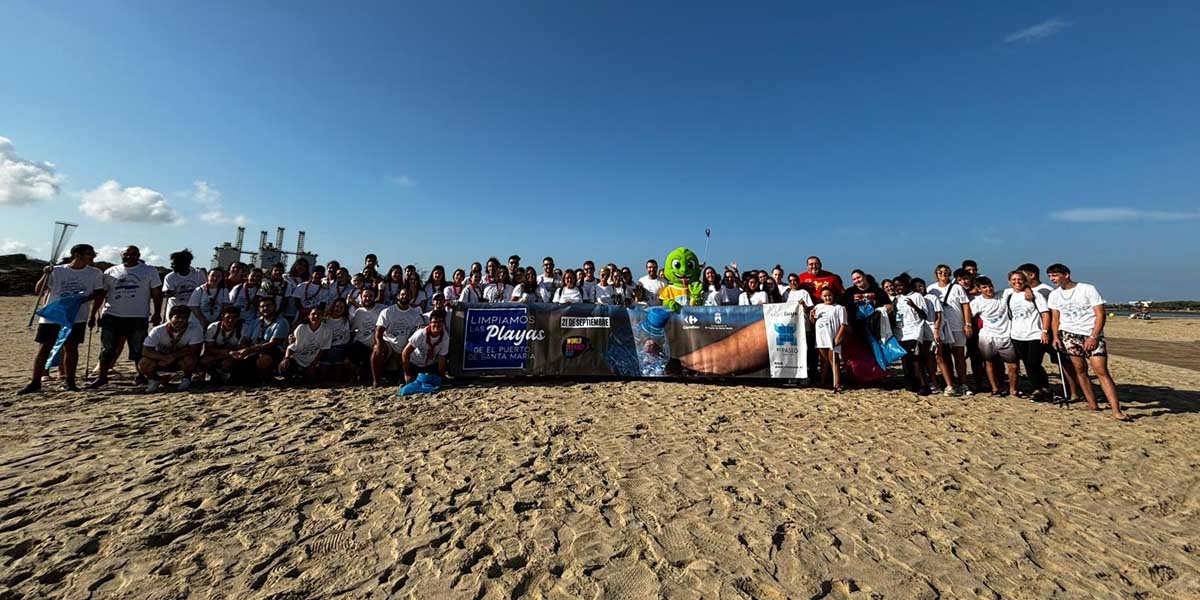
x=996, y=323
x=387, y=292
x=426, y=351
x=339, y=330
x=1026, y=316
x=362, y=322
x=1075, y=308
x=566, y=295
x=221, y=339
x=589, y=290
x=471, y=295
x=311, y=295
x=177, y=289
x=653, y=287
x=161, y=340
x=309, y=343
x=952, y=314
x=607, y=294
x=759, y=297
x=520, y=295
x=908, y=321
x=209, y=301
x=280, y=290
x=65, y=281
x=497, y=292
x=933, y=306
x=827, y=320
x=399, y=324
x=129, y=290
x=801, y=296
x=246, y=299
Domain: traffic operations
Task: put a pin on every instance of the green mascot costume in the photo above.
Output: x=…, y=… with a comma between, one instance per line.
x=682, y=271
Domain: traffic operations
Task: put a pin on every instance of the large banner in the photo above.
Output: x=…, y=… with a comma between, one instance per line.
x=594, y=339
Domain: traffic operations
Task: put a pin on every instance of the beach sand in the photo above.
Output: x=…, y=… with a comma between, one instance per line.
x=596, y=490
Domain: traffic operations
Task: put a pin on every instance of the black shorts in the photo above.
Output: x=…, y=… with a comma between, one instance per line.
x=47, y=333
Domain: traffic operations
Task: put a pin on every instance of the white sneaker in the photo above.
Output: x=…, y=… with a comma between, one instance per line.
x=185, y=384
x=154, y=387
x=950, y=391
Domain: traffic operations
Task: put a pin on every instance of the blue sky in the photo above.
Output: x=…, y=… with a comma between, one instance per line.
x=883, y=137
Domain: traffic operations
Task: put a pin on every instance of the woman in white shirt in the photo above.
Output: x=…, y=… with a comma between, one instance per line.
x=473, y=292
x=619, y=294
x=569, y=293
x=910, y=320
x=207, y=300
x=336, y=361
x=1030, y=332
x=416, y=290
x=752, y=296
x=454, y=289
x=391, y=286
x=527, y=291
x=500, y=289
x=436, y=283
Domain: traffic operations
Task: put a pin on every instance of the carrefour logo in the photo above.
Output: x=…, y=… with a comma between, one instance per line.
x=692, y=320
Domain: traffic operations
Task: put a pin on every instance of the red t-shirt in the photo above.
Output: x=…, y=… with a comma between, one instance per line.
x=815, y=283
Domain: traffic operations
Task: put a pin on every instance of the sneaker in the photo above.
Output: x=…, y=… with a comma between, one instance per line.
x=963, y=390
x=32, y=388
x=140, y=380
x=97, y=384
x=69, y=386
x=923, y=391
x=951, y=392
x=154, y=387
x=185, y=384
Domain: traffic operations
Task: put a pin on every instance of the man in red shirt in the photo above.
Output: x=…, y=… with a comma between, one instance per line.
x=815, y=279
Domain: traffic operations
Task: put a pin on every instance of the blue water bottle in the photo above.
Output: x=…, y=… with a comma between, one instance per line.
x=650, y=336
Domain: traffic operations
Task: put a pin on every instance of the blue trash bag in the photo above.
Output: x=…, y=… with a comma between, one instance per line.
x=425, y=383
x=865, y=311
x=61, y=312
x=887, y=351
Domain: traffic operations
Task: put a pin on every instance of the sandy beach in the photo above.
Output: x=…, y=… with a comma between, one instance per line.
x=562, y=489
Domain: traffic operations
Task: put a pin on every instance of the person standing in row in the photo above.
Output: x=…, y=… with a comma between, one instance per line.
x=1030, y=332
x=653, y=283
x=77, y=276
x=132, y=287
x=179, y=284
x=1077, y=321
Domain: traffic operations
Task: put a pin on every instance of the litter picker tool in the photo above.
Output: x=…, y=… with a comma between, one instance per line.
x=707, y=235
x=62, y=234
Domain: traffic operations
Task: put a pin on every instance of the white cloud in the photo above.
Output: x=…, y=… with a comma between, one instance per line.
x=210, y=198
x=403, y=180
x=1037, y=32
x=25, y=181
x=11, y=246
x=112, y=202
x=1121, y=214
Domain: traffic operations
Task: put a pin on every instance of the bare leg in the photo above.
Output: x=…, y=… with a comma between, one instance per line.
x=1085, y=384
x=990, y=367
x=960, y=364
x=377, y=357
x=70, y=359
x=1013, y=374
x=39, y=362
x=836, y=368
x=943, y=362
x=1100, y=368
x=825, y=369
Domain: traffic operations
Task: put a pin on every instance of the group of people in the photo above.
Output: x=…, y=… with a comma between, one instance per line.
x=321, y=323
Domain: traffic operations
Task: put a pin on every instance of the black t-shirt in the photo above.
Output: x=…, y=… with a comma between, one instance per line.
x=873, y=295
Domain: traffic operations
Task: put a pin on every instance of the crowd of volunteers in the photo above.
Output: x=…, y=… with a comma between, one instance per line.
x=325, y=324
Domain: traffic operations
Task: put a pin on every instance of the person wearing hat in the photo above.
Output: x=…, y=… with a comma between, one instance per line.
x=439, y=303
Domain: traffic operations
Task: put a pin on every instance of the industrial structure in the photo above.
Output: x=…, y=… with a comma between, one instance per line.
x=267, y=255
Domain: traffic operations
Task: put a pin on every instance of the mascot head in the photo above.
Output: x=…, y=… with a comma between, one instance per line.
x=682, y=263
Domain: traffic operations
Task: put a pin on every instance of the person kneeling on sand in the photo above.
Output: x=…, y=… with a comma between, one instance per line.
x=172, y=346
x=308, y=343
x=394, y=327
x=427, y=349
x=221, y=340
x=1077, y=322
x=267, y=336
